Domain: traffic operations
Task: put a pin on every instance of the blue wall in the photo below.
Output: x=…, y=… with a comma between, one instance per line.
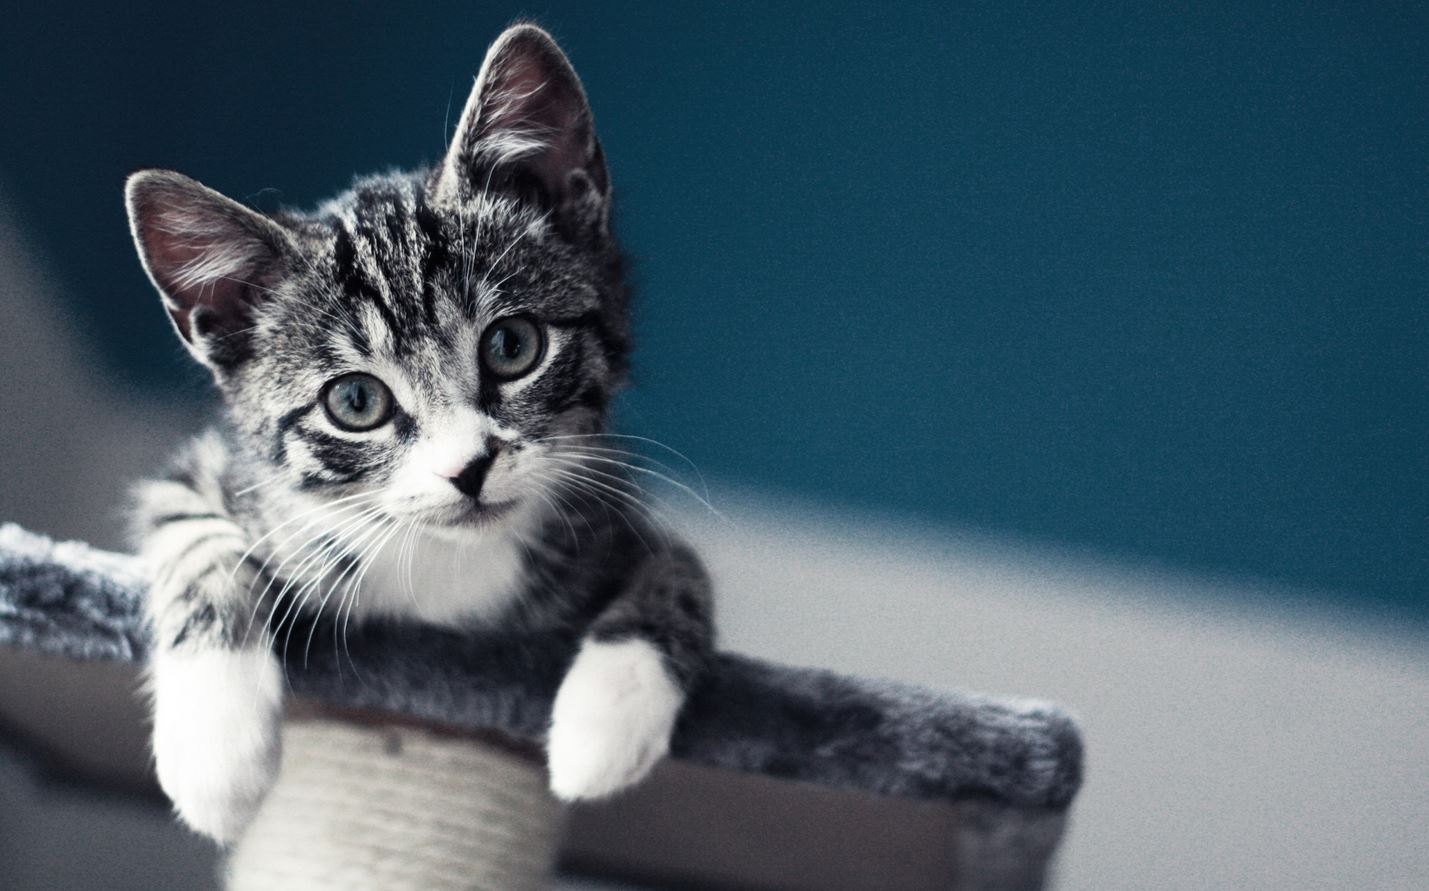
x=1151, y=282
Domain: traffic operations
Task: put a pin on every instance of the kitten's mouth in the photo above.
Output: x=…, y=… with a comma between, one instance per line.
x=471, y=514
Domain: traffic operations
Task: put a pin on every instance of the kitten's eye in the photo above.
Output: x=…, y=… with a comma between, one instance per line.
x=357, y=402
x=511, y=347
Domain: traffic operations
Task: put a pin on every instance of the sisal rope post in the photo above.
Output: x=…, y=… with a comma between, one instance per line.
x=364, y=806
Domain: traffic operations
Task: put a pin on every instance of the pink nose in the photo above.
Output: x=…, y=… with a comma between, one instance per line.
x=451, y=472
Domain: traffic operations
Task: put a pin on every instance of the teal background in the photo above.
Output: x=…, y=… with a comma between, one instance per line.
x=1143, y=279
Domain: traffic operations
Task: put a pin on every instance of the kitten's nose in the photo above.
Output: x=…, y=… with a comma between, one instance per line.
x=469, y=481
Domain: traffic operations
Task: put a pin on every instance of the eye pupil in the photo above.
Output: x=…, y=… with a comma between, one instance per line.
x=507, y=343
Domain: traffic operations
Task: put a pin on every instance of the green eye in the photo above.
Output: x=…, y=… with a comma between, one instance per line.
x=511, y=347
x=357, y=402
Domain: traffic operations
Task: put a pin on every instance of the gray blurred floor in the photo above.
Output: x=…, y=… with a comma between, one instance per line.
x=1230, y=744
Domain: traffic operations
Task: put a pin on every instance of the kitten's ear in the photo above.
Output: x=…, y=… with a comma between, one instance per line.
x=527, y=125
x=212, y=259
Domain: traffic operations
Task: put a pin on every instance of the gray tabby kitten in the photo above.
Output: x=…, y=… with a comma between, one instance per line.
x=416, y=378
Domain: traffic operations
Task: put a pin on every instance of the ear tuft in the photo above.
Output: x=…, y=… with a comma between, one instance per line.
x=212, y=259
x=527, y=126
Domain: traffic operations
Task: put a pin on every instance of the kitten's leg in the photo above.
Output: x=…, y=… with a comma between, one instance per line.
x=217, y=691
x=617, y=706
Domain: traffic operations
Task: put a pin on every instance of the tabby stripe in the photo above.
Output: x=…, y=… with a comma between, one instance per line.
x=591, y=397
x=196, y=543
x=593, y=321
x=562, y=377
x=183, y=476
x=436, y=255
x=356, y=286
x=183, y=518
x=180, y=554
x=591, y=318
x=383, y=255
x=285, y=423
x=198, y=622
x=343, y=459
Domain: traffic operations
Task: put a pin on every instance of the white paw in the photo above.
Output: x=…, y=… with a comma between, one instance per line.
x=216, y=743
x=612, y=719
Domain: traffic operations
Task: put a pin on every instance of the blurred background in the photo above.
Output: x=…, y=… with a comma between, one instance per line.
x=1073, y=351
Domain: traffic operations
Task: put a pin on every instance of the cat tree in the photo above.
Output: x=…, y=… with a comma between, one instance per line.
x=412, y=760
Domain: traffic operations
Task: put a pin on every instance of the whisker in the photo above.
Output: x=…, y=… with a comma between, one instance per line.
x=353, y=594
x=595, y=488
x=333, y=510
x=644, y=506
x=549, y=498
x=632, y=437
x=347, y=500
x=332, y=538
x=366, y=525
x=384, y=524
x=701, y=500
x=407, y=555
x=337, y=511
x=497, y=262
x=337, y=550
x=277, y=477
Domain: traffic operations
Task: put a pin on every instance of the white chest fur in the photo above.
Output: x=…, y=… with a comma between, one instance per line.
x=442, y=579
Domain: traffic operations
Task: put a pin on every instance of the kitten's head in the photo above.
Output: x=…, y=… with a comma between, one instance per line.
x=425, y=341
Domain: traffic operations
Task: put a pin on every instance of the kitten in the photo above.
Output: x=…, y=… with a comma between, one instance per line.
x=416, y=377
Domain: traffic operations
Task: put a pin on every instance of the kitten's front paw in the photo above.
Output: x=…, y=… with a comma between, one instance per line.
x=612, y=719
x=216, y=743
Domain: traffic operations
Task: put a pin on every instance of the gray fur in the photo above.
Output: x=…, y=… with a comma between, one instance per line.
x=405, y=273
x=746, y=714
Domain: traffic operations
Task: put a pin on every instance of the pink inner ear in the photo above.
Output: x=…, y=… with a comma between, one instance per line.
x=198, y=269
x=531, y=97
x=533, y=112
x=212, y=258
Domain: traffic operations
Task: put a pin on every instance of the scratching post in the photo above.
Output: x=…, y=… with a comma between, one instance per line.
x=792, y=778
x=363, y=806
